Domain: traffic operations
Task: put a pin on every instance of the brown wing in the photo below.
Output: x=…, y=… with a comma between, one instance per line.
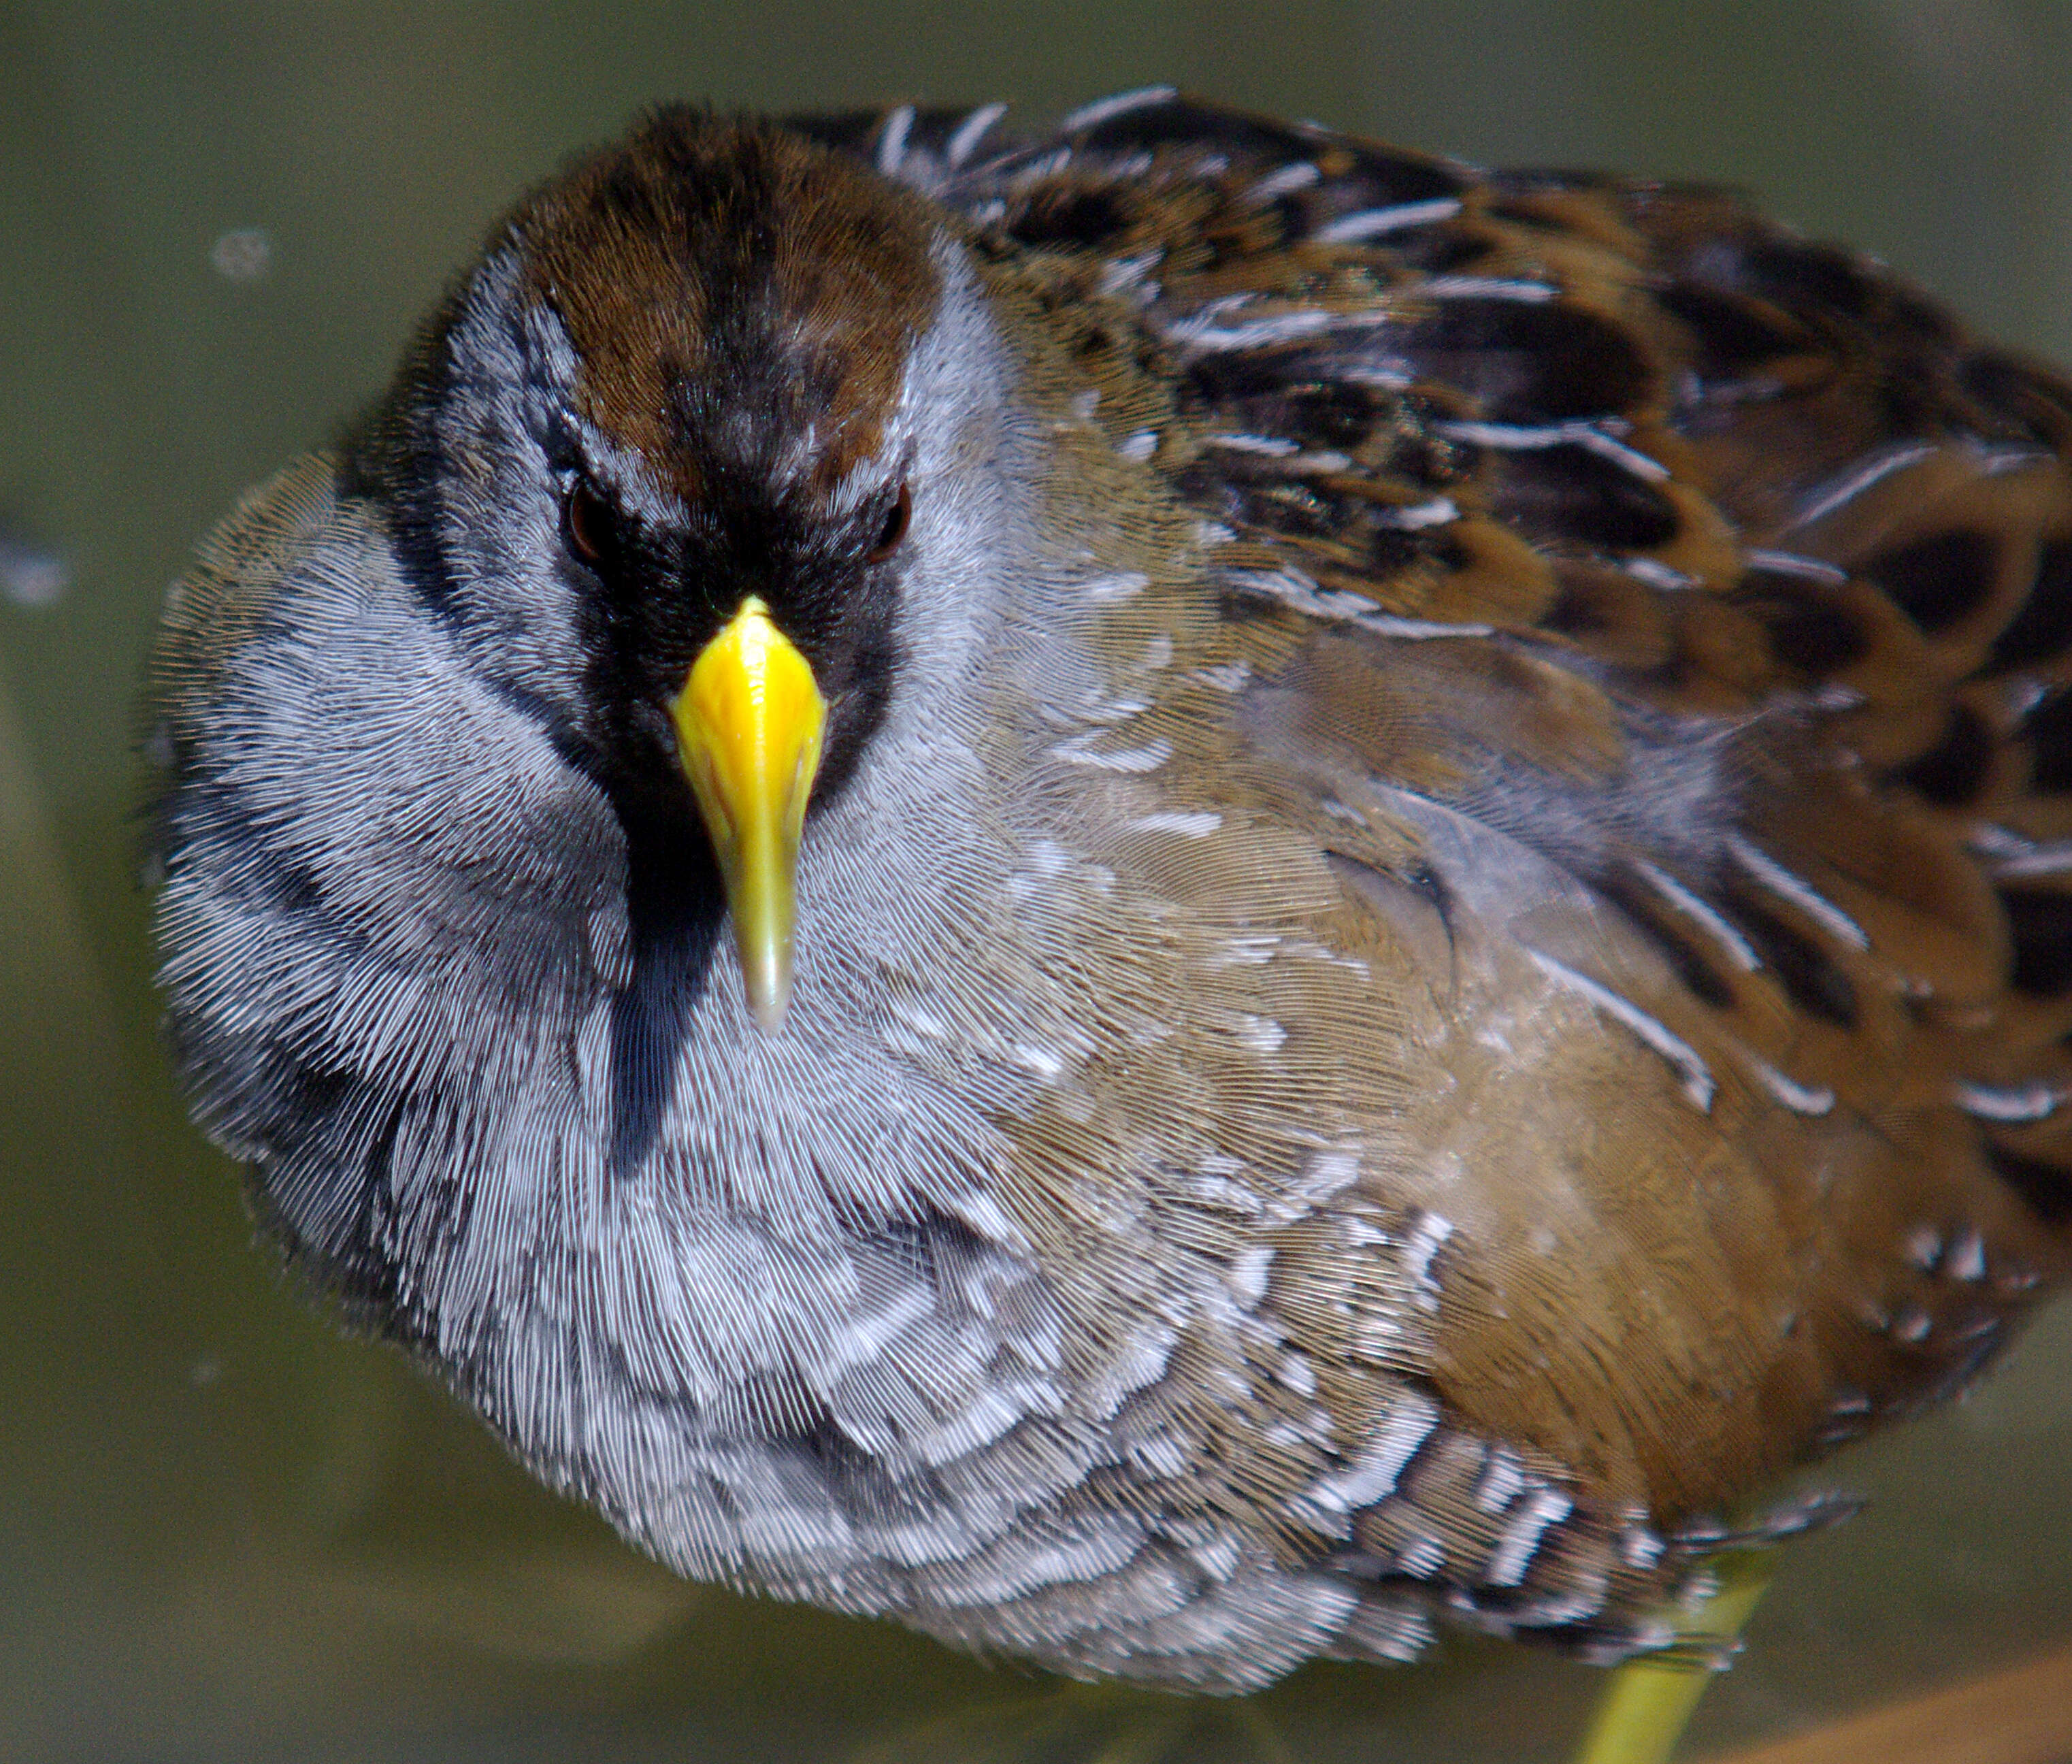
x=1728, y=581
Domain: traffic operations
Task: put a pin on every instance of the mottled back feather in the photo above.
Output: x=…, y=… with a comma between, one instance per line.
x=1554, y=487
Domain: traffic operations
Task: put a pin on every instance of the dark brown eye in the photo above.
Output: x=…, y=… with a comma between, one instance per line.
x=585, y=523
x=898, y=518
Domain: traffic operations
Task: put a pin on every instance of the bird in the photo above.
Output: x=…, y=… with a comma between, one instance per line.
x=1171, y=895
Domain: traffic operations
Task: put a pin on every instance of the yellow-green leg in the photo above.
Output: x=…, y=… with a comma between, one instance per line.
x=1645, y=1709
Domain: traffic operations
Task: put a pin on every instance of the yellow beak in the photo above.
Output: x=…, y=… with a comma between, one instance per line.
x=748, y=722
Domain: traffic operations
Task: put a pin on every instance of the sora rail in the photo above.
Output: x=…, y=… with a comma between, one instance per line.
x=1170, y=897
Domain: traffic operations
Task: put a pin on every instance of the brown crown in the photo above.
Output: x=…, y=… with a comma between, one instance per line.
x=706, y=257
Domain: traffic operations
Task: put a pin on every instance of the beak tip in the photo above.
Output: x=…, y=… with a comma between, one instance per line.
x=768, y=987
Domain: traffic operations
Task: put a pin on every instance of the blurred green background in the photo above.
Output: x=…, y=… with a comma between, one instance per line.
x=226, y=1532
